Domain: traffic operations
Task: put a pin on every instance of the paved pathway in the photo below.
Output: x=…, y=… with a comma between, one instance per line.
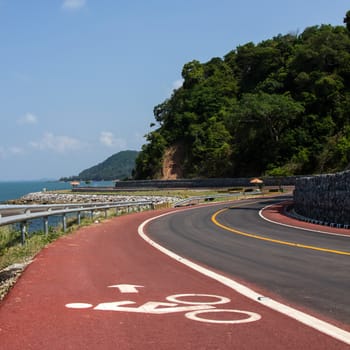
x=104, y=287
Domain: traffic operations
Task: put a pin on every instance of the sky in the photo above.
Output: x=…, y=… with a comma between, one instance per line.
x=79, y=78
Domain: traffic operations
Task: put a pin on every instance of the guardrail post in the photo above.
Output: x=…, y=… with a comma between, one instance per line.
x=64, y=222
x=79, y=217
x=64, y=210
x=23, y=231
x=46, y=225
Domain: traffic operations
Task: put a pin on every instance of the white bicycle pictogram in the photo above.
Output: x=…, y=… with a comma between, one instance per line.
x=194, y=310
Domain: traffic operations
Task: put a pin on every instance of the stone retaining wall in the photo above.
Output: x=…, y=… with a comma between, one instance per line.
x=325, y=198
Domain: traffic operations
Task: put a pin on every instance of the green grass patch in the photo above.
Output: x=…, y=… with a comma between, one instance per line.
x=12, y=251
x=18, y=253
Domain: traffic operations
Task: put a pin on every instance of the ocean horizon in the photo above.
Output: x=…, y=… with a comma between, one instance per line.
x=10, y=190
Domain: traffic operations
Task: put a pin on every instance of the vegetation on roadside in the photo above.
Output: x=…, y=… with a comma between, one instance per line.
x=18, y=253
x=279, y=107
x=12, y=251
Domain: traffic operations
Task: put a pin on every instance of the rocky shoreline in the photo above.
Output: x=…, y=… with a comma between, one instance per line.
x=63, y=198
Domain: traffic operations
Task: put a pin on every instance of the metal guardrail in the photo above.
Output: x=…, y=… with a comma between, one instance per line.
x=22, y=214
x=9, y=209
x=209, y=198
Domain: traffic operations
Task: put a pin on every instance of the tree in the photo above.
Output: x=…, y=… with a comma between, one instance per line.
x=278, y=106
x=347, y=20
x=263, y=132
x=210, y=149
x=271, y=112
x=149, y=160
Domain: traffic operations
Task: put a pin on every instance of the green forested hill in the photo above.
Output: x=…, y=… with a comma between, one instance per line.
x=118, y=166
x=278, y=107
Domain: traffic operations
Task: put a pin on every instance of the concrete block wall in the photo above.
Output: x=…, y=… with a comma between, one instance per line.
x=325, y=198
x=203, y=183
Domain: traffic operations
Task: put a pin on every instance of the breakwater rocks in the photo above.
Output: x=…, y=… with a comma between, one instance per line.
x=324, y=198
x=63, y=198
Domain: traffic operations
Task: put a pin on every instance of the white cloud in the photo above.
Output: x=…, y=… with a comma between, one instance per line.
x=177, y=84
x=73, y=4
x=28, y=118
x=174, y=86
x=6, y=152
x=107, y=139
x=59, y=144
x=14, y=150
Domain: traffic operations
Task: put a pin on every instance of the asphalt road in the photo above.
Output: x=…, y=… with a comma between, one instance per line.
x=105, y=287
x=317, y=281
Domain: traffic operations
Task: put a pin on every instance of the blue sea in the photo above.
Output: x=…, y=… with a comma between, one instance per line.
x=16, y=189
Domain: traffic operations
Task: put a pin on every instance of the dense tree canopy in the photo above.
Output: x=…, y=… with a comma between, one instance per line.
x=278, y=107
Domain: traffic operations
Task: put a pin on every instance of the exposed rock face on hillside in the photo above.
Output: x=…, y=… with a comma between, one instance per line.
x=172, y=163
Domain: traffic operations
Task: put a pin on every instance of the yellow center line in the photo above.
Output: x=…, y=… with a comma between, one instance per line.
x=262, y=238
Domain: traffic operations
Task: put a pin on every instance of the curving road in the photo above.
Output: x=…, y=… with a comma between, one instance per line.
x=105, y=287
x=315, y=280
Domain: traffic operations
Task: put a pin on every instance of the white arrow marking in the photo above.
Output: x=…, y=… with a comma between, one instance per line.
x=151, y=307
x=126, y=288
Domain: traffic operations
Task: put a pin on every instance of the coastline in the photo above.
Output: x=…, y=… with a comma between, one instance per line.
x=62, y=198
x=14, y=190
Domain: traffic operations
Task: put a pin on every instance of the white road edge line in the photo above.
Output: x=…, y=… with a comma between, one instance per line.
x=296, y=227
x=311, y=321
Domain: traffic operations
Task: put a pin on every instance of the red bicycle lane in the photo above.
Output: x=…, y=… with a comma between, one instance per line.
x=104, y=287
